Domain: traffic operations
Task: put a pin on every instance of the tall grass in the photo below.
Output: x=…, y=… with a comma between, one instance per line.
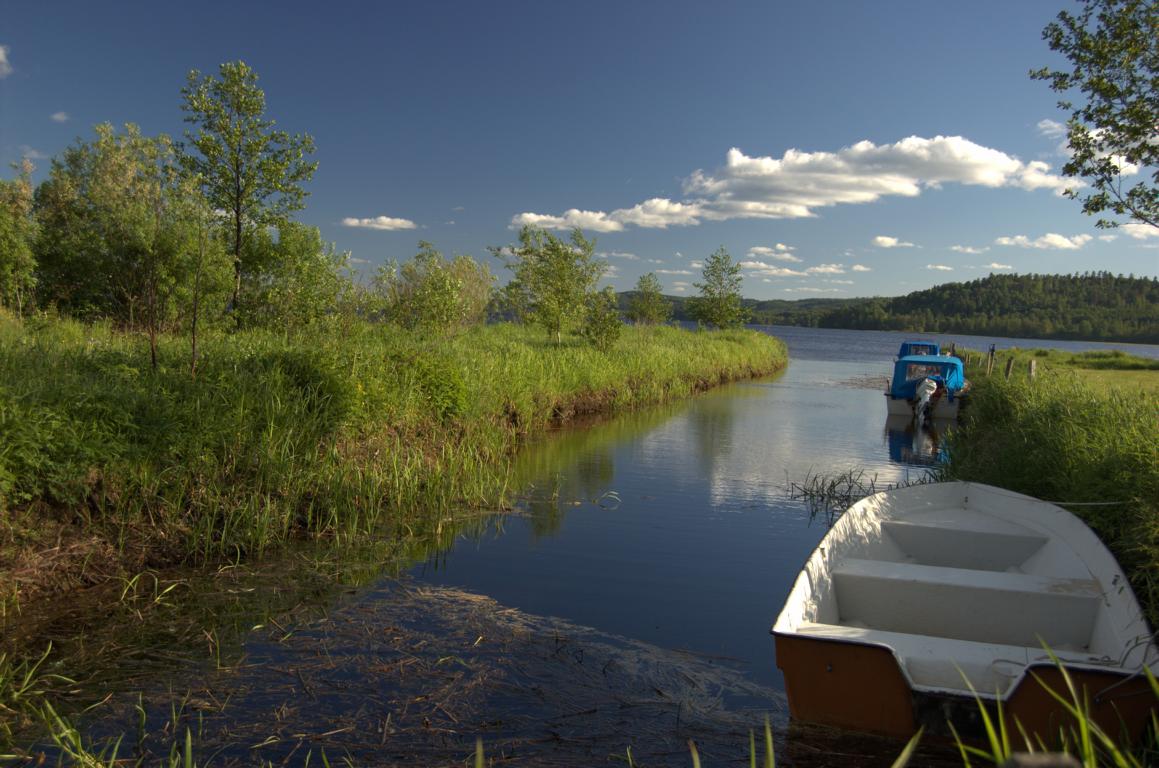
x=354, y=430
x=1095, y=452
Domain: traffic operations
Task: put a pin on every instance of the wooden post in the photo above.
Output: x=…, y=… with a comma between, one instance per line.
x=990, y=361
x=1033, y=367
x=1009, y=367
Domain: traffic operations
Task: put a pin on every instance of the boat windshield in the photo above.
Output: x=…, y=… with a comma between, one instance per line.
x=918, y=371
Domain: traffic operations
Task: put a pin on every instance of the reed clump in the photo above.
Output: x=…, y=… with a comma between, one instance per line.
x=1094, y=451
x=108, y=467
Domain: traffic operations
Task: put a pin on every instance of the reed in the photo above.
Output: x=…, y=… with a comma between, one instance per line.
x=346, y=431
x=1093, y=451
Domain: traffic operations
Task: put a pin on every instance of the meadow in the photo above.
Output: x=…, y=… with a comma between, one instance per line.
x=108, y=467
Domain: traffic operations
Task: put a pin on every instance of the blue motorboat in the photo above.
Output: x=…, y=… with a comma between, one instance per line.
x=926, y=387
x=918, y=348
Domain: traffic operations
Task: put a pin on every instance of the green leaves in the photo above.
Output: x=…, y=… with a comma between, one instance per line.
x=719, y=303
x=648, y=305
x=1113, y=49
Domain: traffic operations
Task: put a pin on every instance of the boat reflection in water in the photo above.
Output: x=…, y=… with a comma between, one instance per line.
x=911, y=443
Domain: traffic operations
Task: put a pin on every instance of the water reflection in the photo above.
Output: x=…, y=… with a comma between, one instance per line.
x=911, y=443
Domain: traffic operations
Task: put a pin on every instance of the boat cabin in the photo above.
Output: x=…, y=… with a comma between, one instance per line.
x=911, y=370
x=918, y=348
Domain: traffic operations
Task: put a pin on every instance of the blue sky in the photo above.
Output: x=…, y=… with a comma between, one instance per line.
x=837, y=149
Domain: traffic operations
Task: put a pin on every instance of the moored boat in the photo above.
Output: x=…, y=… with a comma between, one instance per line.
x=926, y=387
x=919, y=596
x=908, y=348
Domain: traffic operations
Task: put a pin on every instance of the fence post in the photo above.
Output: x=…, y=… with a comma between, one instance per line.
x=1033, y=367
x=1009, y=367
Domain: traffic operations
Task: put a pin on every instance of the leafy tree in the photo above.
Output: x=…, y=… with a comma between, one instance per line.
x=17, y=236
x=648, y=305
x=719, y=303
x=602, y=326
x=246, y=167
x=433, y=293
x=1113, y=48
x=552, y=278
x=303, y=283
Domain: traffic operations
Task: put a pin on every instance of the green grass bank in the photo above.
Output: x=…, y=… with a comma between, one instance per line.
x=1064, y=437
x=108, y=467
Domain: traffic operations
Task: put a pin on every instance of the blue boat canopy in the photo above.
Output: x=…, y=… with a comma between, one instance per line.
x=918, y=348
x=909, y=371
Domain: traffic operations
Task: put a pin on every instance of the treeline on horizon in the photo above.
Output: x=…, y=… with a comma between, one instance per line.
x=1095, y=306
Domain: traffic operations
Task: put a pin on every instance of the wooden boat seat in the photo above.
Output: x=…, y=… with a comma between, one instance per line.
x=1016, y=609
x=942, y=663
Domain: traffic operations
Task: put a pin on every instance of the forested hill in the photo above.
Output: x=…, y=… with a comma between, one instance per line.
x=1095, y=306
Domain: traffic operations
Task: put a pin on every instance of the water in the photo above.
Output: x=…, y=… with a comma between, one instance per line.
x=627, y=599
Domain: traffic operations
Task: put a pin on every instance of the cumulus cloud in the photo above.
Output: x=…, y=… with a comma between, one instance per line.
x=379, y=222
x=1140, y=231
x=673, y=271
x=884, y=241
x=807, y=289
x=697, y=265
x=5, y=67
x=827, y=269
x=797, y=183
x=940, y=267
x=1108, y=238
x=969, y=249
x=996, y=265
x=840, y=282
x=680, y=287
x=618, y=255
x=1052, y=129
x=780, y=252
x=761, y=268
x=59, y=117
x=1050, y=241
x=860, y=268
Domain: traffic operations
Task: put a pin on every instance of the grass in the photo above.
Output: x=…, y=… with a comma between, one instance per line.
x=108, y=468
x=1103, y=369
x=1094, y=451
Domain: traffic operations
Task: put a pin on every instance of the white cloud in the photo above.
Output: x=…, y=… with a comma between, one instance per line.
x=5, y=67
x=814, y=290
x=31, y=153
x=680, y=287
x=996, y=265
x=673, y=271
x=884, y=241
x=860, y=268
x=697, y=265
x=612, y=271
x=940, y=267
x=760, y=268
x=840, y=282
x=618, y=255
x=780, y=252
x=1050, y=241
x=969, y=249
x=798, y=182
x=59, y=117
x=1108, y=238
x=654, y=261
x=1140, y=231
x=827, y=269
x=1052, y=129
x=379, y=222
x=594, y=221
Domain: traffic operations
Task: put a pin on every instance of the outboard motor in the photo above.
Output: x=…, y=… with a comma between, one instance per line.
x=924, y=391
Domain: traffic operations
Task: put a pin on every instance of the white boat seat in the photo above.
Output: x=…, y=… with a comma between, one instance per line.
x=982, y=606
x=939, y=544
x=939, y=663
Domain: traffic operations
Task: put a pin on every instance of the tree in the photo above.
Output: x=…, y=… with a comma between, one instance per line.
x=602, y=326
x=1113, y=48
x=649, y=306
x=303, y=282
x=17, y=236
x=552, y=278
x=433, y=293
x=246, y=167
x=719, y=303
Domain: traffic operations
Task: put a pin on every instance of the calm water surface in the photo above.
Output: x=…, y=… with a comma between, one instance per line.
x=676, y=526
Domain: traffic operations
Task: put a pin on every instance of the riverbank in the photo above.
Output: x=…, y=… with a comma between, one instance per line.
x=108, y=467
x=1088, y=444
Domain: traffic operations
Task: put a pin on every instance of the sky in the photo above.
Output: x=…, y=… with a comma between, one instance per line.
x=835, y=149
